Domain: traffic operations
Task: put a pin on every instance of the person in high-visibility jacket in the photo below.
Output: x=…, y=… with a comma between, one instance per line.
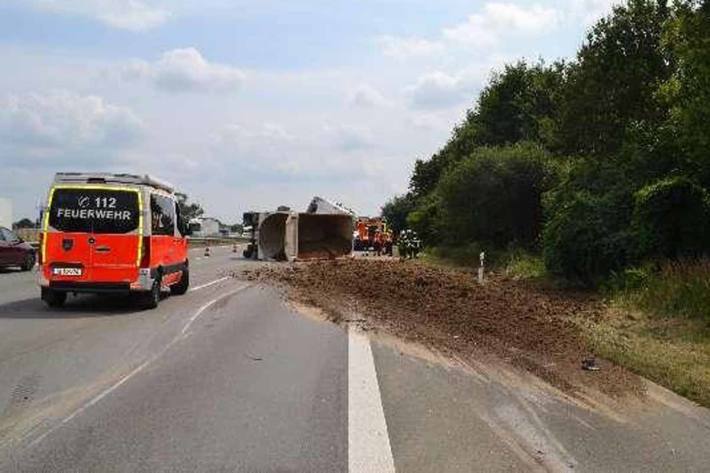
x=388, y=243
x=378, y=243
x=403, y=245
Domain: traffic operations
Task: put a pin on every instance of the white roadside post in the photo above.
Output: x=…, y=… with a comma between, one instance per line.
x=482, y=257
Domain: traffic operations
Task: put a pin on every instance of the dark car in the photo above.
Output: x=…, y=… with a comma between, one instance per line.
x=14, y=251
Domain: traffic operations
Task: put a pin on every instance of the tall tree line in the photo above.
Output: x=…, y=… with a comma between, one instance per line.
x=599, y=163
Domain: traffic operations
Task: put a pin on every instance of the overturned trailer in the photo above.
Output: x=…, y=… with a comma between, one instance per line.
x=323, y=232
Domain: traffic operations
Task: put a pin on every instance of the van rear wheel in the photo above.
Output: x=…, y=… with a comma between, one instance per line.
x=182, y=285
x=151, y=299
x=53, y=298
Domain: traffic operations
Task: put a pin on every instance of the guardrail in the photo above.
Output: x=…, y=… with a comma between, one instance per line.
x=214, y=241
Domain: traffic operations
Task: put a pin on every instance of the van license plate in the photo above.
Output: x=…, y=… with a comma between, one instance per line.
x=66, y=271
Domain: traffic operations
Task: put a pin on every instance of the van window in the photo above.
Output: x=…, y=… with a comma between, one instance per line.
x=162, y=215
x=94, y=210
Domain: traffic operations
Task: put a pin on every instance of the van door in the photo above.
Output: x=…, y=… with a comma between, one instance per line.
x=162, y=240
x=96, y=229
x=180, y=240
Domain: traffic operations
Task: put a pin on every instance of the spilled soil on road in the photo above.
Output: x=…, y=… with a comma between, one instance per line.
x=529, y=326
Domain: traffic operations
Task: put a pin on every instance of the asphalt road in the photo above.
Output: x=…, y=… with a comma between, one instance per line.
x=230, y=378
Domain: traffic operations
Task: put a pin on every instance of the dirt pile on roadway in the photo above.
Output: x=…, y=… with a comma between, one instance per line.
x=447, y=309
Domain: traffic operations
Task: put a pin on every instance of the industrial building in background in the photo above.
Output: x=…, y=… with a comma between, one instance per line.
x=6, y=213
x=324, y=231
x=205, y=227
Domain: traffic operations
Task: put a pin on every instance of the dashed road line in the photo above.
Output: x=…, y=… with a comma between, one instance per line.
x=211, y=283
x=135, y=371
x=208, y=305
x=369, y=449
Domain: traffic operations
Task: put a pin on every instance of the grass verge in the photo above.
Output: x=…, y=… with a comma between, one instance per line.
x=514, y=262
x=658, y=325
x=657, y=321
x=672, y=352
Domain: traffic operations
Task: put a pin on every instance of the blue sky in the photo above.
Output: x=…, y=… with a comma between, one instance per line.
x=252, y=104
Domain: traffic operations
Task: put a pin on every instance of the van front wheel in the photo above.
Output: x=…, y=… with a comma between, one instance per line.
x=151, y=299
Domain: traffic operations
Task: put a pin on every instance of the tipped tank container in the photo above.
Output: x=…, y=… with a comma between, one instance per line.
x=325, y=231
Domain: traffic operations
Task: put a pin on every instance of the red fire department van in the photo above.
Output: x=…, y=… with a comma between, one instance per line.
x=112, y=233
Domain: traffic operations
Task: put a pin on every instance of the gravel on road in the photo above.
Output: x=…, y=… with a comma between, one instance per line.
x=527, y=325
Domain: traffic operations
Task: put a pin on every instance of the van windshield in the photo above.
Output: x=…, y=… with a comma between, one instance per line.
x=94, y=210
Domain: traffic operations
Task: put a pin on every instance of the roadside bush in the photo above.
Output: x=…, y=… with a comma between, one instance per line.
x=494, y=196
x=523, y=265
x=424, y=219
x=587, y=229
x=630, y=279
x=680, y=288
x=395, y=211
x=672, y=219
x=581, y=240
x=466, y=255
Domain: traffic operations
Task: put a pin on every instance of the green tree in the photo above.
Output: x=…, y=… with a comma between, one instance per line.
x=494, y=195
x=24, y=223
x=188, y=210
x=582, y=240
x=425, y=219
x=395, y=211
x=687, y=92
x=612, y=84
x=672, y=218
x=587, y=227
x=519, y=104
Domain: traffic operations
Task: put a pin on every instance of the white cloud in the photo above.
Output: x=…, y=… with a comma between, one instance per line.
x=497, y=20
x=349, y=138
x=134, y=15
x=46, y=125
x=487, y=28
x=267, y=147
x=273, y=152
x=365, y=96
x=589, y=11
x=397, y=47
x=267, y=133
x=440, y=90
x=185, y=70
x=427, y=122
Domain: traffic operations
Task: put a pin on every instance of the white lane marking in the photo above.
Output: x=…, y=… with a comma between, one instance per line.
x=135, y=371
x=211, y=283
x=208, y=305
x=368, y=441
x=104, y=393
